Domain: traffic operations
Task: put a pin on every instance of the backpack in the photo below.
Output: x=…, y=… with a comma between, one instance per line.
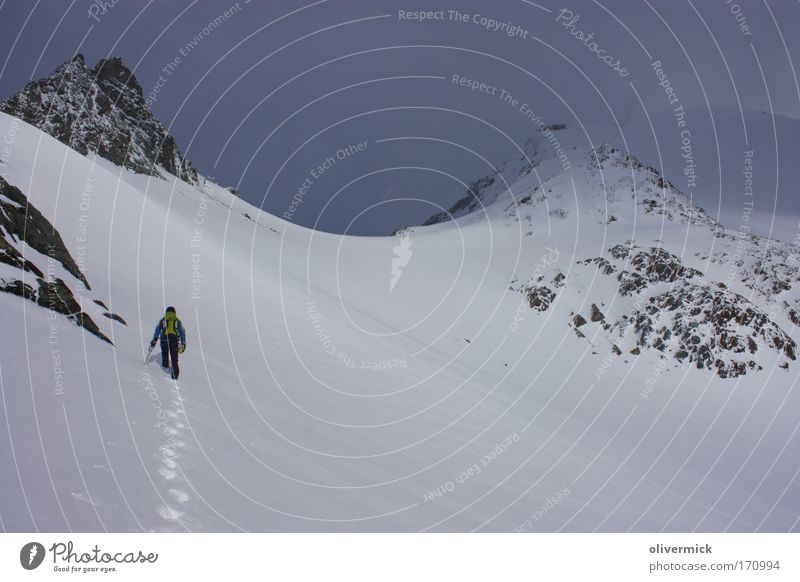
x=169, y=324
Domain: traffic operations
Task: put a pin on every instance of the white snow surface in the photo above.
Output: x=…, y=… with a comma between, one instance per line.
x=314, y=398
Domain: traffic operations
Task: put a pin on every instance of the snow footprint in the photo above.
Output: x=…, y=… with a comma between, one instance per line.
x=167, y=474
x=169, y=468
x=168, y=513
x=178, y=495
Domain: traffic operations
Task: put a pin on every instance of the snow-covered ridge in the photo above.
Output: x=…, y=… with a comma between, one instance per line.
x=689, y=288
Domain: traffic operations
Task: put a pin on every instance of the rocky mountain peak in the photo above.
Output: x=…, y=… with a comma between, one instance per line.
x=114, y=69
x=558, y=152
x=101, y=110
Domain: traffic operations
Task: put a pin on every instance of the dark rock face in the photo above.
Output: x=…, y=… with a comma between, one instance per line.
x=22, y=222
x=682, y=316
x=631, y=283
x=17, y=287
x=11, y=256
x=654, y=265
x=603, y=265
x=101, y=110
x=540, y=297
x=659, y=265
x=115, y=317
x=711, y=327
x=107, y=313
x=596, y=314
x=56, y=296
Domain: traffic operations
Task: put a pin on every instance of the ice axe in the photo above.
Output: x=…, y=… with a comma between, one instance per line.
x=149, y=351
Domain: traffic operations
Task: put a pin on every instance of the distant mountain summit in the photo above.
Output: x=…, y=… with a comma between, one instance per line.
x=646, y=268
x=550, y=142
x=101, y=110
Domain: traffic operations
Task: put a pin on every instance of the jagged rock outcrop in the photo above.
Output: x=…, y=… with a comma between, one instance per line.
x=710, y=327
x=602, y=263
x=102, y=110
x=653, y=265
x=24, y=222
x=21, y=222
x=540, y=297
x=689, y=319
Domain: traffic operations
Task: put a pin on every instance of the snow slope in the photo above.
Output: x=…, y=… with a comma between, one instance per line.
x=315, y=397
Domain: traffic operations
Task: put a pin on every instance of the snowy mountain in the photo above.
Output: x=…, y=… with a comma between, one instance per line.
x=585, y=349
x=668, y=292
x=101, y=110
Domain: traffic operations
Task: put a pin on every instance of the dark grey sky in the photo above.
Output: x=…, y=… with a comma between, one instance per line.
x=283, y=76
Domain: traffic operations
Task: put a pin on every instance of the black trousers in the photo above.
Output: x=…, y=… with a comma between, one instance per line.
x=169, y=351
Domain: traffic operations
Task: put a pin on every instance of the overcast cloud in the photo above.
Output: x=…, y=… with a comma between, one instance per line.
x=261, y=95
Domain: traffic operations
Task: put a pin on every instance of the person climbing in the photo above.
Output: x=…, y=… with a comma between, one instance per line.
x=169, y=330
